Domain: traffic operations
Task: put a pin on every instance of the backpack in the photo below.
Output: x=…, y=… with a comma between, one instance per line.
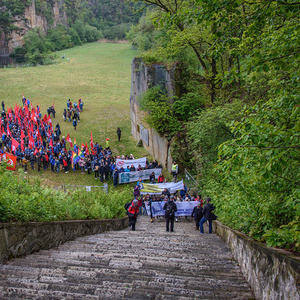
x=127, y=205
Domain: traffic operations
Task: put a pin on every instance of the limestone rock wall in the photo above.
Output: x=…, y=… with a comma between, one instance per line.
x=144, y=77
x=22, y=239
x=31, y=20
x=271, y=273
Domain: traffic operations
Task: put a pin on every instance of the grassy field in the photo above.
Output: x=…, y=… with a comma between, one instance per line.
x=100, y=74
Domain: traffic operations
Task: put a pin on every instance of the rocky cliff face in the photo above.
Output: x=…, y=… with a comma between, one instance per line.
x=31, y=20
x=144, y=77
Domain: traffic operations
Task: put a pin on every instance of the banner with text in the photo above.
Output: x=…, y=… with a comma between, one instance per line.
x=127, y=177
x=136, y=162
x=157, y=188
x=10, y=159
x=184, y=208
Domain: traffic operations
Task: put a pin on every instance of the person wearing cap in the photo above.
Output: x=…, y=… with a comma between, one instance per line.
x=207, y=215
x=170, y=208
x=132, y=213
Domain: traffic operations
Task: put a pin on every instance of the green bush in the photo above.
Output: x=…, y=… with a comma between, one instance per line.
x=161, y=112
x=75, y=38
x=59, y=38
x=21, y=201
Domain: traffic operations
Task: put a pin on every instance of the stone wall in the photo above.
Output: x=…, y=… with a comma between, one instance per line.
x=144, y=77
x=22, y=239
x=272, y=273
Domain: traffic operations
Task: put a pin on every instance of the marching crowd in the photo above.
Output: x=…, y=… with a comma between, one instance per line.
x=201, y=213
x=142, y=204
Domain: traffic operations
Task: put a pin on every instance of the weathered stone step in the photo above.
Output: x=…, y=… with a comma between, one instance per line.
x=146, y=264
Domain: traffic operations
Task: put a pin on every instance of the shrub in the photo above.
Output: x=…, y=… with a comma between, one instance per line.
x=22, y=201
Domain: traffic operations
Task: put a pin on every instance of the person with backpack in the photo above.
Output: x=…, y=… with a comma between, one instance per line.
x=197, y=214
x=132, y=212
x=170, y=208
x=208, y=215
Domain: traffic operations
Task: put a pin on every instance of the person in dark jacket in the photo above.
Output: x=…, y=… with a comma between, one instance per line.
x=152, y=178
x=197, y=214
x=207, y=215
x=119, y=133
x=170, y=208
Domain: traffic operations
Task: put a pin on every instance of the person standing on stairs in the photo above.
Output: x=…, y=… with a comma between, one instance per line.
x=170, y=208
x=132, y=212
x=208, y=215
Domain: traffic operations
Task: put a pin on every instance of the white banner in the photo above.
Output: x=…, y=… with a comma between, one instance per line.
x=184, y=208
x=136, y=162
x=127, y=177
x=157, y=188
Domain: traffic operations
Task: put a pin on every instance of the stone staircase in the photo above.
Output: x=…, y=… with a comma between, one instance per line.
x=146, y=264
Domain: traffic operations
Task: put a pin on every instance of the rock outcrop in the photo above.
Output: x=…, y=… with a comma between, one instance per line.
x=144, y=77
x=30, y=20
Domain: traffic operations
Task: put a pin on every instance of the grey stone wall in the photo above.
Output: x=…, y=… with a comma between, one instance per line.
x=22, y=239
x=144, y=77
x=272, y=273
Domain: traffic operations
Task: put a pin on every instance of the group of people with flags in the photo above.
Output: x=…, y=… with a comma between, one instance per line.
x=36, y=143
x=31, y=137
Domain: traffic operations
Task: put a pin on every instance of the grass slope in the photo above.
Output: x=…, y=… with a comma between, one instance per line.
x=99, y=73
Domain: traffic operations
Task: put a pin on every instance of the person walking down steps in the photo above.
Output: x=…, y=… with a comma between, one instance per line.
x=132, y=212
x=208, y=215
x=170, y=208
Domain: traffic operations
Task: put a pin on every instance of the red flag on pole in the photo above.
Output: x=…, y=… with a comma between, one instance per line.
x=92, y=142
x=22, y=140
x=8, y=131
x=14, y=144
x=31, y=142
x=68, y=139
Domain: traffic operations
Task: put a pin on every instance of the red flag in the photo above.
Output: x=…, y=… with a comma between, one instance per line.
x=92, y=142
x=14, y=144
x=31, y=142
x=35, y=151
x=26, y=111
x=51, y=143
x=22, y=140
x=8, y=131
x=10, y=159
x=87, y=149
x=68, y=139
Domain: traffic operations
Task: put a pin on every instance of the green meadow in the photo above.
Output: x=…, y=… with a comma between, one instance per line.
x=99, y=74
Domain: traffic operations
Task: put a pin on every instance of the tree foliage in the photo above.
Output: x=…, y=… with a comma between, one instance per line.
x=245, y=54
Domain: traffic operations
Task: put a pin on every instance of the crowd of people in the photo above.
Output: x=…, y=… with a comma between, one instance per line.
x=37, y=144
x=72, y=112
x=201, y=213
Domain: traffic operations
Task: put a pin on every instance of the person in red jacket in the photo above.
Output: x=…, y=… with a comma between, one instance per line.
x=132, y=213
x=161, y=178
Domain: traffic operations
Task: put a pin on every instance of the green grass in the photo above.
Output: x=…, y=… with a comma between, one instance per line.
x=100, y=74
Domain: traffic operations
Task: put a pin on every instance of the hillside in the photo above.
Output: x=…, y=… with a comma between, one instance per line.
x=112, y=18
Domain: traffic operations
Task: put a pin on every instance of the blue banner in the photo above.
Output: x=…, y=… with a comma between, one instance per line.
x=184, y=208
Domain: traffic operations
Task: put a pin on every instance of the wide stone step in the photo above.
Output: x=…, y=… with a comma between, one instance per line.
x=146, y=264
